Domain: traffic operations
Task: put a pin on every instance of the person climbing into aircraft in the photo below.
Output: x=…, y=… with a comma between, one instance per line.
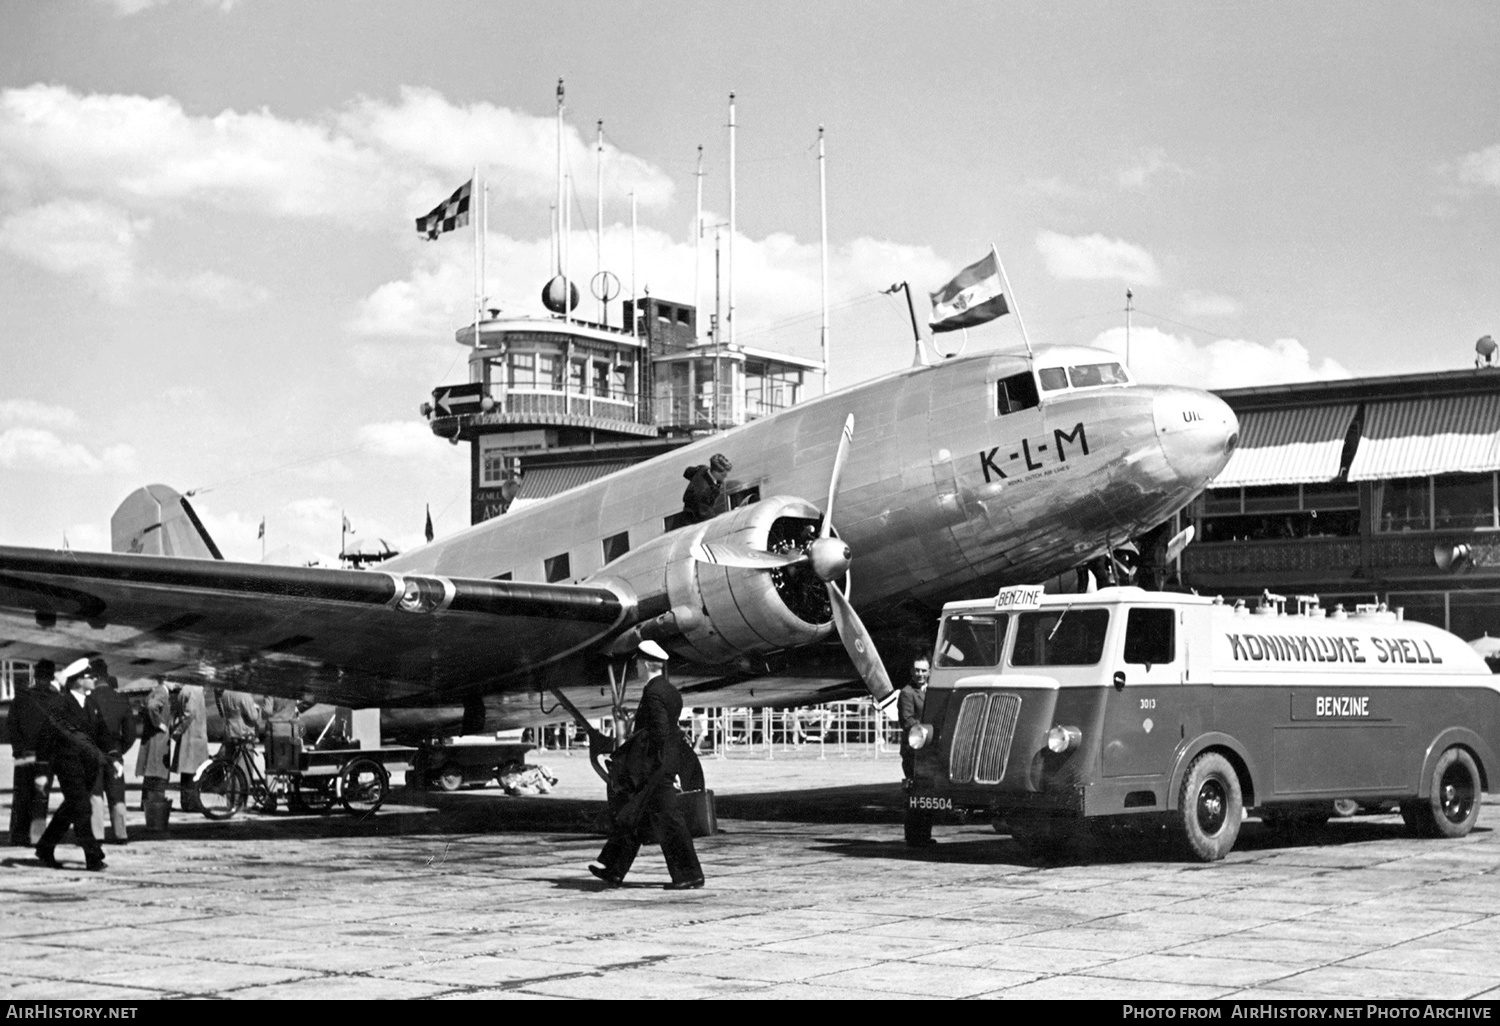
x=642, y=798
x=700, y=501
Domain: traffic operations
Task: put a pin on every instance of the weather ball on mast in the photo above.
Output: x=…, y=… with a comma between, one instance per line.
x=552, y=294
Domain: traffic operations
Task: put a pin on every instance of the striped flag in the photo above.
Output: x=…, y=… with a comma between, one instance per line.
x=450, y=214
x=972, y=298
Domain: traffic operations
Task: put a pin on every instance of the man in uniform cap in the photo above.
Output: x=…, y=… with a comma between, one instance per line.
x=642, y=797
x=78, y=743
x=700, y=501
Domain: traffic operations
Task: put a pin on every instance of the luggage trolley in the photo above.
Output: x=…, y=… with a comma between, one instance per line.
x=304, y=778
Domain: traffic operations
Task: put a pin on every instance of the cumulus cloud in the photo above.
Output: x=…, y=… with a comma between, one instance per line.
x=375, y=163
x=229, y=294
x=399, y=439
x=1160, y=357
x=28, y=411
x=423, y=129
x=1207, y=304
x=1094, y=257
x=125, y=8
x=30, y=448
x=1481, y=168
x=94, y=241
x=778, y=281
x=1147, y=164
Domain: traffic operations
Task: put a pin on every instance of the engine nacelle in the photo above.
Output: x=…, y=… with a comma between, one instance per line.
x=715, y=614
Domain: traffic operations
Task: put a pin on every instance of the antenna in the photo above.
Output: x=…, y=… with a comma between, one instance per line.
x=1128, y=297
x=823, y=208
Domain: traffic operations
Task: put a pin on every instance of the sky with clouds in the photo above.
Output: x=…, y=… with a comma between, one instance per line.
x=210, y=276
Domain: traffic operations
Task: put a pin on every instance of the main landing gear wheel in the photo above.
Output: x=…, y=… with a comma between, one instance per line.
x=451, y=779
x=1452, y=807
x=222, y=790
x=1211, y=806
x=363, y=785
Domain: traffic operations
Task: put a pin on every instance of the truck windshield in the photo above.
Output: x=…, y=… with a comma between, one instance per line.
x=1078, y=640
x=972, y=639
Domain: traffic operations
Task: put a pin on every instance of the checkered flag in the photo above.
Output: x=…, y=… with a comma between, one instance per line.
x=450, y=214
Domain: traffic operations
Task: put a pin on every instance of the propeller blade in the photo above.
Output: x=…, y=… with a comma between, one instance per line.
x=859, y=645
x=729, y=554
x=838, y=471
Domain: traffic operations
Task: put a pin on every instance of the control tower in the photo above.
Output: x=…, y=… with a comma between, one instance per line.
x=553, y=402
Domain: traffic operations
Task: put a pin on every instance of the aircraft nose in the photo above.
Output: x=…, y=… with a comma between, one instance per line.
x=1198, y=432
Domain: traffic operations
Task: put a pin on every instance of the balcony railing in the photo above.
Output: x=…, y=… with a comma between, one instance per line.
x=616, y=406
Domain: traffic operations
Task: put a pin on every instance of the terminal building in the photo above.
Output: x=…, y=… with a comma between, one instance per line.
x=1361, y=491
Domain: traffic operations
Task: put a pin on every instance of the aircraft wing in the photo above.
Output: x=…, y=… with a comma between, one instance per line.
x=353, y=637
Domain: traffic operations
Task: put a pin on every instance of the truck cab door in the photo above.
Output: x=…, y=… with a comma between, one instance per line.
x=1143, y=715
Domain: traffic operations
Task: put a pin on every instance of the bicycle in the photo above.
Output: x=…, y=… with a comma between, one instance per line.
x=233, y=778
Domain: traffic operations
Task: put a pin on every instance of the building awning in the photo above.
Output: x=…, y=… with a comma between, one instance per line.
x=1300, y=445
x=1417, y=437
x=545, y=482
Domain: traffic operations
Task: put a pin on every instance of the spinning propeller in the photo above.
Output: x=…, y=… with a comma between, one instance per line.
x=829, y=558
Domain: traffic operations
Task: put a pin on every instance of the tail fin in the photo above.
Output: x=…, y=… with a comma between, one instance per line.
x=159, y=521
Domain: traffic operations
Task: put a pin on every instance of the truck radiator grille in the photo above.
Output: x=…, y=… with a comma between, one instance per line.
x=982, y=737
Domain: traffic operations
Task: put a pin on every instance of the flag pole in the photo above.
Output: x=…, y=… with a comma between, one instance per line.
x=475, y=223
x=599, y=224
x=731, y=225
x=1011, y=297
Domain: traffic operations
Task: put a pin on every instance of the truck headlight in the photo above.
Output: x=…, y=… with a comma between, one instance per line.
x=1062, y=739
x=919, y=735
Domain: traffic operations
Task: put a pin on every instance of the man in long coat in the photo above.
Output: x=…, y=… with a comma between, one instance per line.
x=154, y=763
x=643, y=800
x=191, y=729
x=77, y=742
x=30, y=782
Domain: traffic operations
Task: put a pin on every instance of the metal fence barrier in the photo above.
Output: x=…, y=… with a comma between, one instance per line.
x=850, y=728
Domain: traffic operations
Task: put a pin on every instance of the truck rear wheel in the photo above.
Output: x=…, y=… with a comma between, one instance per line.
x=1452, y=807
x=1211, y=806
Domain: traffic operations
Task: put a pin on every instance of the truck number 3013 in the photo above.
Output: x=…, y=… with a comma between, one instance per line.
x=1148, y=703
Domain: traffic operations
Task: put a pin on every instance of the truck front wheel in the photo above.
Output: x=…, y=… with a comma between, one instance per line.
x=1211, y=806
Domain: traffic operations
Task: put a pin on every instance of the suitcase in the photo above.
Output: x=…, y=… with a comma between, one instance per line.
x=698, y=809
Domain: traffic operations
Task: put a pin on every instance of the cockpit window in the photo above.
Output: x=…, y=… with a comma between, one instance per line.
x=1052, y=378
x=972, y=640
x=1017, y=392
x=1092, y=375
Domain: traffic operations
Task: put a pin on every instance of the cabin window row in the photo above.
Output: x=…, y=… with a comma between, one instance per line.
x=558, y=568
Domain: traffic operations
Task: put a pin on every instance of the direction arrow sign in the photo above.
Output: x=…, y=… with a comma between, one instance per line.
x=454, y=399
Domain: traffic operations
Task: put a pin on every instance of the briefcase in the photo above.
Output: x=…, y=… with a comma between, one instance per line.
x=698, y=809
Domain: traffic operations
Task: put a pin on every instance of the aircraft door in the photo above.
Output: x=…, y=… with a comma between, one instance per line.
x=1144, y=715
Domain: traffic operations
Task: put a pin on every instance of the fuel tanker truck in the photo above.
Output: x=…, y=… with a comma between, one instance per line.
x=1185, y=712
